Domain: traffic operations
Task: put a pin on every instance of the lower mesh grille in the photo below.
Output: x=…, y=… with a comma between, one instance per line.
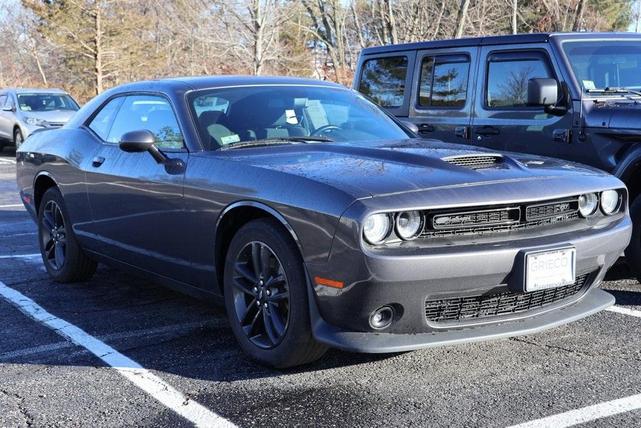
x=509, y=302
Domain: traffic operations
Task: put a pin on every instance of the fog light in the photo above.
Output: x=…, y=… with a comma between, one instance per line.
x=381, y=318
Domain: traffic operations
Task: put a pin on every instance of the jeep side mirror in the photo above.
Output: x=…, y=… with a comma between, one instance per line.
x=8, y=108
x=542, y=92
x=410, y=125
x=141, y=141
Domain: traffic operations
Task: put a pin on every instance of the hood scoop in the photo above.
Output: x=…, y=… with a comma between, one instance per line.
x=474, y=161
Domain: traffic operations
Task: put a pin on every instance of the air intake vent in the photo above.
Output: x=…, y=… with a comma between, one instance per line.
x=476, y=161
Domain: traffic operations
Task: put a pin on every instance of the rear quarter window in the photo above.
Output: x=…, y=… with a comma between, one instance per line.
x=383, y=80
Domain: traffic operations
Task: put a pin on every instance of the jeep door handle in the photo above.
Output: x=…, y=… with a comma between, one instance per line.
x=424, y=128
x=488, y=130
x=97, y=161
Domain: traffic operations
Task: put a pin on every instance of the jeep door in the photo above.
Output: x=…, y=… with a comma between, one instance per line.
x=502, y=118
x=442, y=93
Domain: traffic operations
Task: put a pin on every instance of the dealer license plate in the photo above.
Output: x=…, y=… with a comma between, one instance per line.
x=550, y=269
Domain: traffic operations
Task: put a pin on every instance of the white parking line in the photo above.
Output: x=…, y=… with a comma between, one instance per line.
x=8, y=161
x=138, y=375
x=21, y=256
x=12, y=206
x=586, y=414
x=624, y=311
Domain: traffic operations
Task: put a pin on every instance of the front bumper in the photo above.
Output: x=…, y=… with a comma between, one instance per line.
x=340, y=317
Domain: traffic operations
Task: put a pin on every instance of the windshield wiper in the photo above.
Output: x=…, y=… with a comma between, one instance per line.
x=275, y=142
x=613, y=90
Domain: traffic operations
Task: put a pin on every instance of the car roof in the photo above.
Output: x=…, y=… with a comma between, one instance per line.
x=34, y=90
x=495, y=40
x=206, y=82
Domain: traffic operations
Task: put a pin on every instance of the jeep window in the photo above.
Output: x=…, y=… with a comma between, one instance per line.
x=606, y=64
x=443, y=81
x=383, y=80
x=508, y=76
x=280, y=113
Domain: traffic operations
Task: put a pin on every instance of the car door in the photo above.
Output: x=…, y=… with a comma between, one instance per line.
x=502, y=119
x=442, y=95
x=137, y=204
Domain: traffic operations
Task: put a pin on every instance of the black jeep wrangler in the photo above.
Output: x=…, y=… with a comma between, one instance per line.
x=569, y=95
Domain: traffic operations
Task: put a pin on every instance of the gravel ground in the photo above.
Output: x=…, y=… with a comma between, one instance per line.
x=46, y=381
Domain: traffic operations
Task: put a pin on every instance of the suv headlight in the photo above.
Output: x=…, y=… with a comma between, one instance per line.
x=610, y=202
x=588, y=204
x=376, y=228
x=36, y=121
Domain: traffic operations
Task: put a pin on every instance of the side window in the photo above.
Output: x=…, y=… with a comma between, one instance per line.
x=3, y=100
x=150, y=112
x=508, y=76
x=101, y=123
x=443, y=81
x=383, y=80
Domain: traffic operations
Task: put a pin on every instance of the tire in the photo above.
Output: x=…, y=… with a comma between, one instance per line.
x=17, y=138
x=275, y=299
x=62, y=256
x=633, y=252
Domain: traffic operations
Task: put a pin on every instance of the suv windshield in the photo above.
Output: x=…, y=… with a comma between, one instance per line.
x=46, y=102
x=605, y=64
x=289, y=113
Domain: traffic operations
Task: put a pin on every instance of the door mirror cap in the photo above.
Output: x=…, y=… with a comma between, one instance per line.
x=9, y=108
x=137, y=141
x=410, y=125
x=542, y=92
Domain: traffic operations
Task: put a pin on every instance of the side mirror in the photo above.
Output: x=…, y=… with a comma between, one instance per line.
x=141, y=141
x=8, y=108
x=542, y=92
x=410, y=125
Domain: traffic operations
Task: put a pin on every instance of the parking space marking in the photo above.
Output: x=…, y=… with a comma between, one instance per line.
x=173, y=328
x=8, y=161
x=12, y=206
x=624, y=311
x=21, y=256
x=128, y=368
x=586, y=414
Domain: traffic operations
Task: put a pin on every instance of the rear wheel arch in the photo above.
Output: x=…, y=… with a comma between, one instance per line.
x=41, y=184
x=632, y=179
x=236, y=216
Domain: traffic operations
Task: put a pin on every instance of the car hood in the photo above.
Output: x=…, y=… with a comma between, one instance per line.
x=54, y=116
x=389, y=167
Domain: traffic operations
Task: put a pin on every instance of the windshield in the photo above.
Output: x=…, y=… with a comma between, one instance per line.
x=605, y=64
x=46, y=102
x=246, y=114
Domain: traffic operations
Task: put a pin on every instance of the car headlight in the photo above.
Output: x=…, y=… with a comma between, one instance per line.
x=408, y=224
x=588, y=204
x=35, y=121
x=376, y=228
x=610, y=202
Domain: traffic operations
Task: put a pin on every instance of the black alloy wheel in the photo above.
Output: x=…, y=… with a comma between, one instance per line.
x=266, y=296
x=53, y=235
x=261, y=295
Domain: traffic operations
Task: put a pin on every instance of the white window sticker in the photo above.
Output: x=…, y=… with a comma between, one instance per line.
x=228, y=139
x=588, y=84
x=290, y=116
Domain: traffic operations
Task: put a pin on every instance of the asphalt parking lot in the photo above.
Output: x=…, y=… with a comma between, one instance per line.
x=184, y=346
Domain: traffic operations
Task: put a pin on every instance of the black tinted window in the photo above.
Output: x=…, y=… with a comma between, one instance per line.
x=148, y=112
x=101, y=123
x=443, y=81
x=507, y=80
x=383, y=80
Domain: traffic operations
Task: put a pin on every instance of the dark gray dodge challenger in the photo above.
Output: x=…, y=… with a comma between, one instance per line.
x=319, y=219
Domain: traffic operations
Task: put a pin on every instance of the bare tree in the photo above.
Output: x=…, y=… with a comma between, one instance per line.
x=460, y=19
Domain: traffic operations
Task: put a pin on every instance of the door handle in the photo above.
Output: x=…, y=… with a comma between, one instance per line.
x=425, y=128
x=97, y=161
x=488, y=130
x=461, y=132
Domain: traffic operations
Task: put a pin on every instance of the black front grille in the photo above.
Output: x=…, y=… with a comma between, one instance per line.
x=492, y=305
x=475, y=161
x=485, y=221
